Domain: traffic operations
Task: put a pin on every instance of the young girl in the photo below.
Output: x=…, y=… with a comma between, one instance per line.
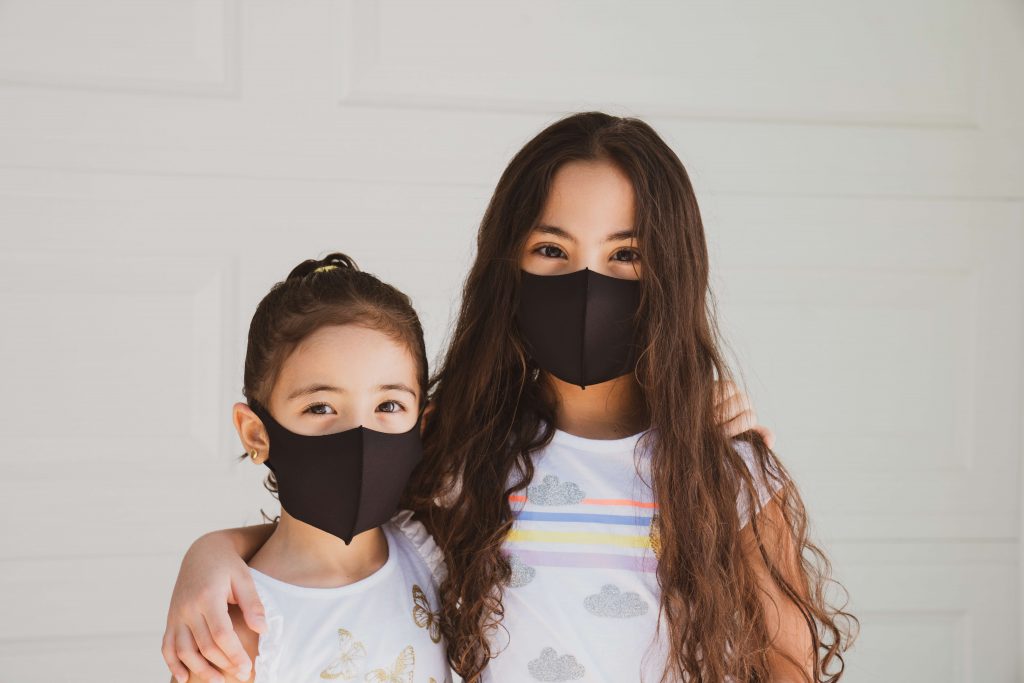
x=335, y=377
x=597, y=524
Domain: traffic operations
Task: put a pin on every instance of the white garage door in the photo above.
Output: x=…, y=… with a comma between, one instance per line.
x=860, y=166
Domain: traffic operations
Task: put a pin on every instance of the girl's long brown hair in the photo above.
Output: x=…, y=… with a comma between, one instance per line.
x=491, y=410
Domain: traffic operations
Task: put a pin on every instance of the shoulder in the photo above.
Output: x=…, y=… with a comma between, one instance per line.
x=412, y=532
x=765, y=484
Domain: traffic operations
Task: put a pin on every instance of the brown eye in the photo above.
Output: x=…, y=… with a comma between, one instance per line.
x=626, y=255
x=315, y=409
x=549, y=251
x=390, y=407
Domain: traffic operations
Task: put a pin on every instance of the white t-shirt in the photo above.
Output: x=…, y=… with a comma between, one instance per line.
x=381, y=628
x=584, y=599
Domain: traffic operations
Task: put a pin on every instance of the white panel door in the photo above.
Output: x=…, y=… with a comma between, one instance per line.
x=162, y=163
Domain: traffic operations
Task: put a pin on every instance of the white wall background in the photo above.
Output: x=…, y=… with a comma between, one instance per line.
x=860, y=167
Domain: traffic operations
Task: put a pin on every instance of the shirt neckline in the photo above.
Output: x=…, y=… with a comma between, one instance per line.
x=626, y=443
x=380, y=574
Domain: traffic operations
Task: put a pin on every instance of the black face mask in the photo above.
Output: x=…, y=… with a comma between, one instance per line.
x=580, y=326
x=342, y=483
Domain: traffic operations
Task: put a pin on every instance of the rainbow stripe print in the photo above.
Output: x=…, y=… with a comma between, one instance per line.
x=599, y=533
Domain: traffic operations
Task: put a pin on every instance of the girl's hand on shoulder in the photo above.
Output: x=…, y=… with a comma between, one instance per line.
x=200, y=637
x=735, y=413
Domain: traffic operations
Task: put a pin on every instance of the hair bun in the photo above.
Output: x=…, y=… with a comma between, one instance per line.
x=326, y=264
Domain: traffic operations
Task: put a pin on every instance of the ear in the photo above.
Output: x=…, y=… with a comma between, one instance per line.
x=428, y=410
x=251, y=432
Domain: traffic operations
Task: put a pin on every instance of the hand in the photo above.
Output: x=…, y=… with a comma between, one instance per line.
x=199, y=634
x=735, y=414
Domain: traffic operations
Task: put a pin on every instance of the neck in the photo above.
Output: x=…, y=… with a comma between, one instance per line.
x=301, y=554
x=610, y=410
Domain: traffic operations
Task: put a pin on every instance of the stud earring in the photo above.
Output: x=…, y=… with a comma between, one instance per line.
x=254, y=454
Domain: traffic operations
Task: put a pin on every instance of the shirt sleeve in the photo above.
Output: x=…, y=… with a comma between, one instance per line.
x=451, y=492
x=764, y=488
x=270, y=649
x=423, y=542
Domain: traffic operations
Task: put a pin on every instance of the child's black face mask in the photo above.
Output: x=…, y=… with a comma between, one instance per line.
x=580, y=326
x=342, y=483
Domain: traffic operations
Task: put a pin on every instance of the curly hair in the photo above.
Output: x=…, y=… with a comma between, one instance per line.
x=490, y=414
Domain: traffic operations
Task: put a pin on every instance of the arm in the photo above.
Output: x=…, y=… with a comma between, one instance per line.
x=792, y=641
x=213, y=575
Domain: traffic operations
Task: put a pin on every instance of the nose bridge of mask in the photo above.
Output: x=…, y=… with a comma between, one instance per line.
x=608, y=335
x=388, y=461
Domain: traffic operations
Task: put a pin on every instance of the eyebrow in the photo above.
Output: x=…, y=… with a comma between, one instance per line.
x=397, y=387
x=556, y=231
x=314, y=388
x=621, y=235
x=559, y=232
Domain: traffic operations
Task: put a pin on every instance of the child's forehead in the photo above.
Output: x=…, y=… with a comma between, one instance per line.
x=350, y=354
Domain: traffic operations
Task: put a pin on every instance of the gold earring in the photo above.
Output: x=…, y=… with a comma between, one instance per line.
x=254, y=454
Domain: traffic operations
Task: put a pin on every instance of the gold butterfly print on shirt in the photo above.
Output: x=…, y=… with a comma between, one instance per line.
x=422, y=615
x=400, y=673
x=350, y=662
x=655, y=536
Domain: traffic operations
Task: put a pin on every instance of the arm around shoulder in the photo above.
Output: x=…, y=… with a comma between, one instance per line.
x=212, y=578
x=245, y=540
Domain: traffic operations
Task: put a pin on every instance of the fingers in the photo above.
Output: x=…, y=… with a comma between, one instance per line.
x=739, y=424
x=748, y=421
x=767, y=434
x=733, y=406
x=208, y=647
x=186, y=649
x=735, y=413
x=226, y=646
x=248, y=600
x=178, y=670
x=722, y=390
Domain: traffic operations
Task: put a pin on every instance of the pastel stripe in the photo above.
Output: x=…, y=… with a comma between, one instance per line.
x=600, y=501
x=532, y=516
x=541, y=558
x=643, y=541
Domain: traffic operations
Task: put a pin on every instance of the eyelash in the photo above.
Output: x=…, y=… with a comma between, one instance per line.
x=539, y=250
x=397, y=403
x=635, y=255
x=307, y=409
